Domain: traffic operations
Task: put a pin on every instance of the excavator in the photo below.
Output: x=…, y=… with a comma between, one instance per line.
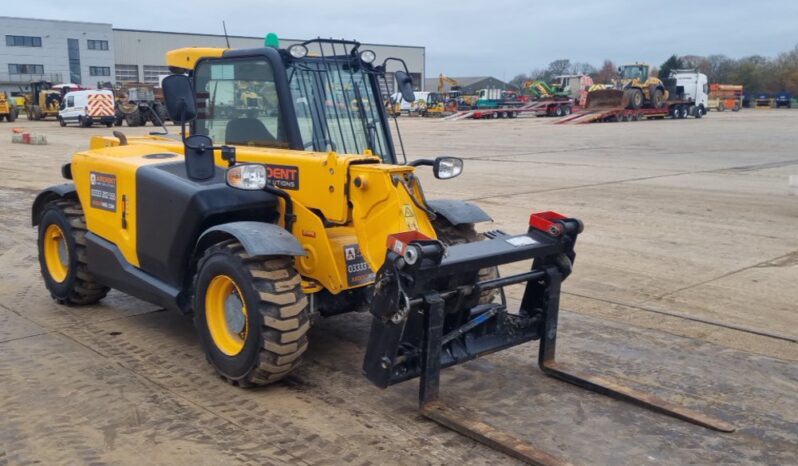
x=635, y=88
x=541, y=90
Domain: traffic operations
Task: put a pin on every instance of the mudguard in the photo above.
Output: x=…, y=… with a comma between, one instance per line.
x=458, y=212
x=257, y=238
x=59, y=191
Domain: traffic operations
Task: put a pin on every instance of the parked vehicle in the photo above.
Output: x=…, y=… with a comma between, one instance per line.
x=86, y=108
x=725, y=97
x=784, y=99
x=7, y=108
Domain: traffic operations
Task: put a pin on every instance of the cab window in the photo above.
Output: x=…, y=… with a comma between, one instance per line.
x=237, y=103
x=70, y=101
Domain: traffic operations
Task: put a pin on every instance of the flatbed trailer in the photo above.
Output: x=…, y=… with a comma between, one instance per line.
x=549, y=107
x=673, y=109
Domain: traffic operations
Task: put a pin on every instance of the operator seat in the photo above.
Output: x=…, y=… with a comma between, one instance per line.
x=247, y=132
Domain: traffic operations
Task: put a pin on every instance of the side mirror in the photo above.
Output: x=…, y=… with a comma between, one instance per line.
x=179, y=97
x=445, y=168
x=405, y=83
x=199, y=157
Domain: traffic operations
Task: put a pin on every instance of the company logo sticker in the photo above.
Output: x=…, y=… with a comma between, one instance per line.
x=283, y=176
x=358, y=271
x=103, y=191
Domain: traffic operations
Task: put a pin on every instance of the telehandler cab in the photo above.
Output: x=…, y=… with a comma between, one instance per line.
x=292, y=204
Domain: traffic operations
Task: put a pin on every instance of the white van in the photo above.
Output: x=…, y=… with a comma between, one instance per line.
x=86, y=108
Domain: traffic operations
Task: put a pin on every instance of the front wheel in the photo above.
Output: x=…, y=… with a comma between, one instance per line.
x=251, y=314
x=450, y=235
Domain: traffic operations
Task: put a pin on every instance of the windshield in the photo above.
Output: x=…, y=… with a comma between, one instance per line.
x=632, y=72
x=337, y=107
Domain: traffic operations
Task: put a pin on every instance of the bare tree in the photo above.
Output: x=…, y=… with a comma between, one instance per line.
x=607, y=73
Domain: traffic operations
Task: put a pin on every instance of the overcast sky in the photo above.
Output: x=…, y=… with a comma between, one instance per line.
x=488, y=37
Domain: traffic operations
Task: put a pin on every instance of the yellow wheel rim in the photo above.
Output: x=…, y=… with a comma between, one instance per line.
x=226, y=315
x=56, y=253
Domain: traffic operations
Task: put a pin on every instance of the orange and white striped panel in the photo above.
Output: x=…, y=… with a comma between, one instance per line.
x=100, y=105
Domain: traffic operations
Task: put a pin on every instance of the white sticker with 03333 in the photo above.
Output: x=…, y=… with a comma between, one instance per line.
x=521, y=240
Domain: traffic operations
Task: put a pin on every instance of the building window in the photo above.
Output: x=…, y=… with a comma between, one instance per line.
x=100, y=71
x=97, y=44
x=151, y=73
x=127, y=73
x=23, y=41
x=73, y=52
x=25, y=69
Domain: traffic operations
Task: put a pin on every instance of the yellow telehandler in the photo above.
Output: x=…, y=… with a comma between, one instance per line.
x=299, y=206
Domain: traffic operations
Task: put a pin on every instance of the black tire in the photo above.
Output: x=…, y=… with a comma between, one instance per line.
x=466, y=233
x=736, y=107
x=273, y=288
x=698, y=112
x=79, y=286
x=110, y=124
x=635, y=98
x=567, y=110
x=61, y=122
x=558, y=112
x=657, y=100
x=134, y=118
x=12, y=115
x=161, y=112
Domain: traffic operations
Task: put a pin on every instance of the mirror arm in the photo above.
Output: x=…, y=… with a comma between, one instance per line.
x=422, y=162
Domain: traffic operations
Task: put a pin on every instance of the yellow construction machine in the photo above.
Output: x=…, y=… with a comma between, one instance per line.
x=634, y=89
x=42, y=101
x=299, y=207
x=7, y=108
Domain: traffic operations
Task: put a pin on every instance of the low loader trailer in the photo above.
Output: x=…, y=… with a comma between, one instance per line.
x=549, y=108
x=675, y=110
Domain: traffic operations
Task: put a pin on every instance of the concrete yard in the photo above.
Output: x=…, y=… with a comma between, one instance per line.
x=685, y=284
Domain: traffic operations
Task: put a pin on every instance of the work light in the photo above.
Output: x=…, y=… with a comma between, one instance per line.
x=298, y=51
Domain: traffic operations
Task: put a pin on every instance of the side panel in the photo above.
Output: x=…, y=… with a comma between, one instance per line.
x=172, y=211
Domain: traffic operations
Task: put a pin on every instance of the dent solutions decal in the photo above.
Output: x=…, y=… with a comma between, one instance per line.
x=283, y=176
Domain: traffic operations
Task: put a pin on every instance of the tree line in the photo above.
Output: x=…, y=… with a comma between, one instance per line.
x=756, y=73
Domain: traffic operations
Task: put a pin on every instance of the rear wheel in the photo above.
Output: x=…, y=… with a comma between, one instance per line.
x=62, y=255
x=12, y=115
x=251, y=314
x=61, y=122
x=558, y=111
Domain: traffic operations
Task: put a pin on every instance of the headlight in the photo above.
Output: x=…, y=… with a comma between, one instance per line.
x=368, y=56
x=250, y=177
x=447, y=167
x=298, y=51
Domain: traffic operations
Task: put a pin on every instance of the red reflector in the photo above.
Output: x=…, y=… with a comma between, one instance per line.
x=398, y=242
x=544, y=221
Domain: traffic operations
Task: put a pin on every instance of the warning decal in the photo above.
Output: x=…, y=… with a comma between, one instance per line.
x=358, y=271
x=283, y=176
x=103, y=191
x=410, y=217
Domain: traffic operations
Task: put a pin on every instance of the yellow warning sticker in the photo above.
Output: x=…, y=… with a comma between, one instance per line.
x=410, y=217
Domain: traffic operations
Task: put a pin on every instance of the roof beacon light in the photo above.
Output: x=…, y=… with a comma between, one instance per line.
x=271, y=40
x=298, y=51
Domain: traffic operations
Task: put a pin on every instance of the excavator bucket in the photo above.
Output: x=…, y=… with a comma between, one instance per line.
x=430, y=312
x=607, y=98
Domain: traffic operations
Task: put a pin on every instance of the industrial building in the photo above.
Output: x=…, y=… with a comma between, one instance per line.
x=469, y=85
x=89, y=53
